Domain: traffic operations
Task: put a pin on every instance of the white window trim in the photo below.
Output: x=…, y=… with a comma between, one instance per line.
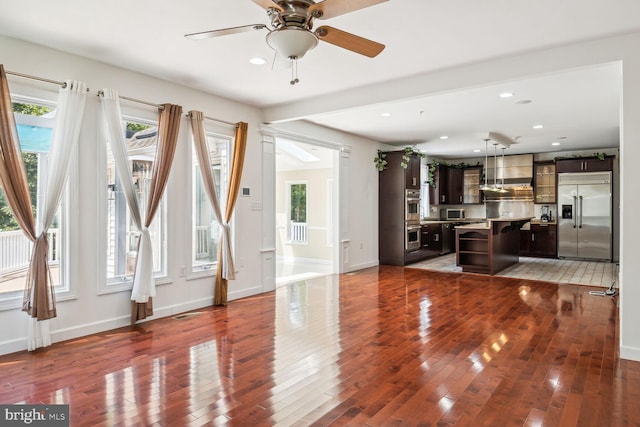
x=106, y=286
x=288, y=185
x=208, y=270
x=70, y=204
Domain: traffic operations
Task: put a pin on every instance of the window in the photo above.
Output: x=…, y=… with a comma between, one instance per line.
x=297, y=212
x=206, y=232
x=35, y=121
x=122, y=233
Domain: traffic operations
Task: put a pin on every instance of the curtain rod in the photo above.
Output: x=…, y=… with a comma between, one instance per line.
x=126, y=98
x=41, y=79
x=216, y=120
x=160, y=107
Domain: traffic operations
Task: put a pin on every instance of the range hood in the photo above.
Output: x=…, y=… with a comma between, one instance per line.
x=517, y=170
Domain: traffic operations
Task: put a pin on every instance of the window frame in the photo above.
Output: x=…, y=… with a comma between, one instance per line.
x=288, y=184
x=192, y=272
x=69, y=207
x=125, y=283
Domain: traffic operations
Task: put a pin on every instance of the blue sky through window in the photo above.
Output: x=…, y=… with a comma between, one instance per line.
x=34, y=138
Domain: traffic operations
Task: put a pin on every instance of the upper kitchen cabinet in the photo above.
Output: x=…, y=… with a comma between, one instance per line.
x=454, y=185
x=471, y=185
x=438, y=185
x=544, y=182
x=584, y=164
x=397, y=175
x=412, y=172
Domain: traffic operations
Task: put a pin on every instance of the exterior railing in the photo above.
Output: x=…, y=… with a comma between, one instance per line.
x=298, y=232
x=15, y=250
x=202, y=241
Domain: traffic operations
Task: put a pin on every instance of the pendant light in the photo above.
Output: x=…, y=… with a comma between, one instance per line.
x=495, y=165
x=486, y=186
x=502, y=189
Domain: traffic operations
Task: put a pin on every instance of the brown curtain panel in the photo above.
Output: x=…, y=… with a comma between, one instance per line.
x=168, y=129
x=12, y=173
x=240, y=147
x=13, y=178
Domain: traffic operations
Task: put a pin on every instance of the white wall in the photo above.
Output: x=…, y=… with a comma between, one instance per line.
x=358, y=182
x=90, y=312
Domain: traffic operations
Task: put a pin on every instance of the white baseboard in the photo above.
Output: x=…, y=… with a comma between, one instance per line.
x=355, y=267
x=630, y=353
x=318, y=261
x=78, y=331
x=245, y=293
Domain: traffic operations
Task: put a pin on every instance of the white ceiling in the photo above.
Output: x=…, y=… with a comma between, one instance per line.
x=420, y=36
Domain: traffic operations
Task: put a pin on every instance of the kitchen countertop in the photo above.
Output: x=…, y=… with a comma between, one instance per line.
x=486, y=224
x=453, y=221
x=538, y=221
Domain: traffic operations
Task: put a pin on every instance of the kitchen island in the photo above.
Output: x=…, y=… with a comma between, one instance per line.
x=489, y=247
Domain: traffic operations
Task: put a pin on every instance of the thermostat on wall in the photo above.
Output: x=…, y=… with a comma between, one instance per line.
x=246, y=191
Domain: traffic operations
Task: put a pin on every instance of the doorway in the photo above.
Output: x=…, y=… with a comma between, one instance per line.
x=306, y=210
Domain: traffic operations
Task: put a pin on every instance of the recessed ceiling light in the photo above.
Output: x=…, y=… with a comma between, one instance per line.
x=444, y=137
x=506, y=95
x=476, y=151
x=385, y=114
x=538, y=126
x=258, y=61
x=555, y=143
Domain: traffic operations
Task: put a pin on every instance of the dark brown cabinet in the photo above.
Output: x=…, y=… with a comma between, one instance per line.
x=544, y=182
x=397, y=243
x=455, y=186
x=438, y=191
x=471, y=178
x=431, y=239
x=412, y=173
x=540, y=241
x=584, y=164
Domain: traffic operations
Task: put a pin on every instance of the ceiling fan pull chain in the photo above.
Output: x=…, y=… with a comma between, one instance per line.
x=294, y=70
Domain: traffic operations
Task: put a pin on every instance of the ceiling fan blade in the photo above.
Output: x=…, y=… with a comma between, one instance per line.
x=266, y=4
x=224, y=31
x=332, y=8
x=349, y=41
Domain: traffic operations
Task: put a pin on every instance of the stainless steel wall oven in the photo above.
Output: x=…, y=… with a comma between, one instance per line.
x=412, y=205
x=412, y=237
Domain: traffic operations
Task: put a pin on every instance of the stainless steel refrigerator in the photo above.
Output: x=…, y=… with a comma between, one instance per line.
x=584, y=215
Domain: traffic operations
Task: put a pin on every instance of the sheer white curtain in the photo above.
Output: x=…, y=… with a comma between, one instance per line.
x=64, y=144
x=144, y=285
x=202, y=153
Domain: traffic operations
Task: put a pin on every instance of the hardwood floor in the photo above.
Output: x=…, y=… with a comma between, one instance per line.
x=382, y=346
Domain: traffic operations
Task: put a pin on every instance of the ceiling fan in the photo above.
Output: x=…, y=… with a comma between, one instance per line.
x=291, y=35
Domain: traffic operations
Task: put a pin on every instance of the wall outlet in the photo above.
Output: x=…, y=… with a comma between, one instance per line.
x=182, y=271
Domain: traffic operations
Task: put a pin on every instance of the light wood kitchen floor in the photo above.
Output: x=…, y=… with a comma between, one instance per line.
x=551, y=270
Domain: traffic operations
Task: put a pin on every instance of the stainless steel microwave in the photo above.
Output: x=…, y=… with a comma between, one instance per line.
x=451, y=214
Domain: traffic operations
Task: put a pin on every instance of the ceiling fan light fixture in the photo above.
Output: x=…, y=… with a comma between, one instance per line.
x=291, y=42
